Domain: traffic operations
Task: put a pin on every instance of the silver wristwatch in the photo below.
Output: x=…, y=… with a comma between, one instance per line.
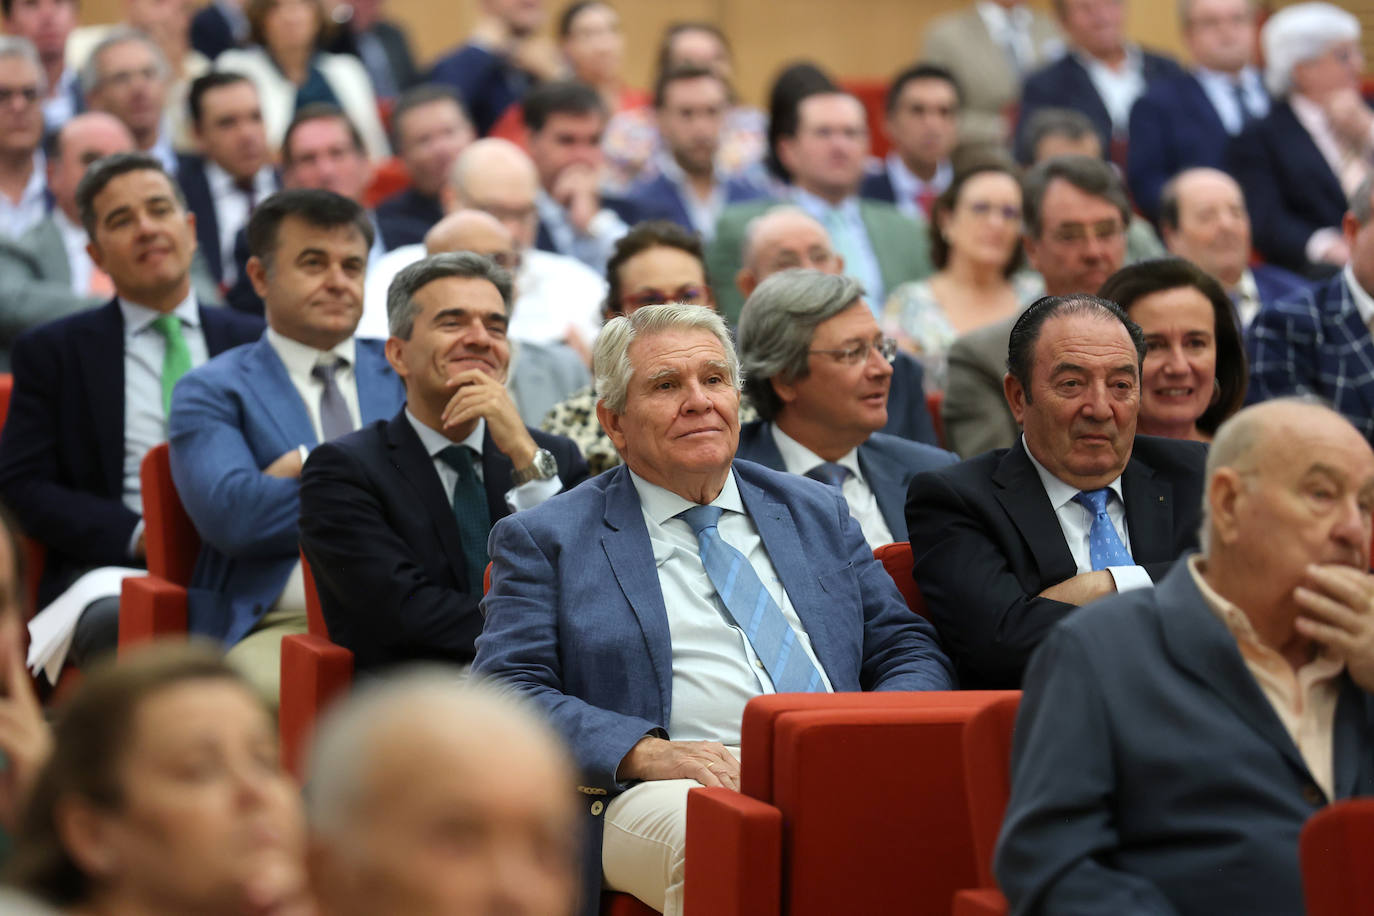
x=543, y=467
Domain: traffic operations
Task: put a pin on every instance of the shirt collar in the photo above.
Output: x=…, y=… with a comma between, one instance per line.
x=818, y=207
x=1059, y=492
x=222, y=183
x=798, y=459
x=435, y=441
x=1364, y=302
x=1133, y=61
x=299, y=359
x=137, y=318
x=907, y=184
x=661, y=504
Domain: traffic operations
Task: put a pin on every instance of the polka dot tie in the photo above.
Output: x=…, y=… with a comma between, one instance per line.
x=1104, y=545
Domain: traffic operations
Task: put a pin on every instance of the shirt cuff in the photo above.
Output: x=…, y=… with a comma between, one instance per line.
x=133, y=540
x=1129, y=577
x=1319, y=242
x=532, y=493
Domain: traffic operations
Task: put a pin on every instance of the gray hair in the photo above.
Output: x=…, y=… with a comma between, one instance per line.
x=90, y=76
x=777, y=325
x=1360, y=206
x=611, y=364
x=400, y=296
x=22, y=48
x=1299, y=33
x=338, y=768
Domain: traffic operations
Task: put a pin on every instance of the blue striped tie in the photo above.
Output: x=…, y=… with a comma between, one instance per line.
x=739, y=588
x=1104, y=545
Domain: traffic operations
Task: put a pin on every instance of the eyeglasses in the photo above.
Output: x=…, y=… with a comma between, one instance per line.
x=27, y=94
x=852, y=356
x=691, y=295
x=1077, y=233
x=985, y=208
x=123, y=78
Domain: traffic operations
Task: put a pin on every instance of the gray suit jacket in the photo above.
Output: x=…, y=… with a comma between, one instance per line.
x=542, y=376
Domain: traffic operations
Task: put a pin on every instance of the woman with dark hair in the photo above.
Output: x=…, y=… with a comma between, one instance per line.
x=164, y=795
x=290, y=71
x=591, y=41
x=976, y=250
x=1195, y=371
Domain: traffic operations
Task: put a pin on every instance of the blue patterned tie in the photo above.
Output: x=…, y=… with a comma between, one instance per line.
x=1104, y=545
x=470, y=511
x=830, y=473
x=739, y=588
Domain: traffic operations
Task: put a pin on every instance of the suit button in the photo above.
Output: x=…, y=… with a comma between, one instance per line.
x=597, y=807
x=1312, y=795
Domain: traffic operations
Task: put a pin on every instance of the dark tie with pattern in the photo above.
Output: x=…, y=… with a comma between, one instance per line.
x=470, y=511
x=830, y=473
x=335, y=420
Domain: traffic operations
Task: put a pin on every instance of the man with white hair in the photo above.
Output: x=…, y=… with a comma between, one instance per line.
x=1172, y=741
x=703, y=580
x=1299, y=163
x=425, y=755
x=23, y=191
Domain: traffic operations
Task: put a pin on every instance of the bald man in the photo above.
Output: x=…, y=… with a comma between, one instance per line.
x=559, y=297
x=540, y=375
x=394, y=765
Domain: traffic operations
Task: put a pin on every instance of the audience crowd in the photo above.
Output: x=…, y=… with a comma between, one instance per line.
x=579, y=414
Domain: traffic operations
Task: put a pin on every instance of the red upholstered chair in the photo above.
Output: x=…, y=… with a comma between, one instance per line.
x=805, y=835
x=987, y=766
x=154, y=605
x=935, y=403
x=1334, y=851
x=873, y=94
x=897, y=560
x=389, y=177
x=314, y=672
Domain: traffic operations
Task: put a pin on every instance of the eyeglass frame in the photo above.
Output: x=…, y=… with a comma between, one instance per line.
x=859, y=353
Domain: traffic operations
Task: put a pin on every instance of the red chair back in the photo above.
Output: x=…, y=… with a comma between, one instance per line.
x=1334, y=851
x=873, y=95
x=314, y=613
x=897, y=560
x=935, y=403
x=987, y=766
x=172, y=540
x=388, y=178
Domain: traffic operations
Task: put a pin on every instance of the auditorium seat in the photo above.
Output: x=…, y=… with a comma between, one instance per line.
x=154, y=606
x=987, y=768
x=897, y=560
x=1334, y=850
x=804, y=836
x=935, y=405
x=314, y=671
x=872, y=94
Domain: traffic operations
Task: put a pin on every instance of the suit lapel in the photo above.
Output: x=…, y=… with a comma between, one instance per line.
x=1203, y=105
x=888, y=483
x=627, y=549
x=1353, y=329
x=267, y=382
x=202, y=203
x=1149, y=512
x=409, y=457
x=757, y=445
x=670, y=194
x=102, y=371
x=1022, y=496
x=1350, y=753
x=496, y=475
x=1316, y=174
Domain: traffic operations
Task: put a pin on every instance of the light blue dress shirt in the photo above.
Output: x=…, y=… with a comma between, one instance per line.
x=849, y=236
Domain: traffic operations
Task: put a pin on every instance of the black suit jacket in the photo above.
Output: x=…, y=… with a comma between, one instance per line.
x=385, y=548
x=62, y=450
x=878, y=186
x=986, y=543
x=394, y=43
x=410, y=215
x=199, y=200
x=211, y=33
x=1290, y=190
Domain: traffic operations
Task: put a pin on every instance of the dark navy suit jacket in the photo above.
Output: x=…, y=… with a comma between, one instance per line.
x=199, y=200
x=878, y=186
x=888, y=464
x=211, y=33
x=62, y=450
x=1066, y=84
x=487, y=83
x=1289, y=189
x=659, y=198
x=410, y=215
x=384, y=546
x=1275, y=283
x=986, y=543
x=1150, y=774
x=1173, y=127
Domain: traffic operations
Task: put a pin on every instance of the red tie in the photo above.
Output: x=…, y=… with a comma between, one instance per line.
x=925, y=199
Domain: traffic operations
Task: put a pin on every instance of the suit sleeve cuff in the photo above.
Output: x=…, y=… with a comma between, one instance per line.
x=1129, y=577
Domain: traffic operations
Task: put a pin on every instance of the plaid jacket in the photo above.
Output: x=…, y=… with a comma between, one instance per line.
x=1315, y=343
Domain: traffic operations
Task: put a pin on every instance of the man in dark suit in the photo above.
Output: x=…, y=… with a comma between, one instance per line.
x=381, y=45
x=1008, y=543
x=922, y=122
x=1171, y=743
x=91, y=390
x=627, y=572
x=1101, y=74
x=1202, y=217
x=233, y=172
x=818, y=370
x=1318, y=342
x=429, y=130
x=1189, y=121
x=690, y=103
x=219, y=26
x=394, y=525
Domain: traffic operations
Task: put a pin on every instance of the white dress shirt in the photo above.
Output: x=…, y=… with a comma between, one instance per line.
x=1246, y=298
x=79, y=262
x=906, y=185
x=715, y=669
x=1118, y=88
x=60, y=107
x=524, y=496
x=232, y=211
x=1363, y=299
x=145, y=423
x=1220, y=89
x=1076, y=521
x=860, y=261
x=863, y=505
x=592, y=247
x=300, y=359
x=163, y=151
x=17, y=217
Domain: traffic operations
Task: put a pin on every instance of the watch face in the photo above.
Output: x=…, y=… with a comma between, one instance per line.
x=545, y=463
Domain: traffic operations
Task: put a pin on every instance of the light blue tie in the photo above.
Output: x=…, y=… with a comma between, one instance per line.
x=1104, y=545
x=739, y=588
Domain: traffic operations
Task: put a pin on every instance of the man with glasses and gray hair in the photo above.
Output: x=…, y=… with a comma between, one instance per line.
x=700, y=581
x=818, y=369
x=127, y=76
x=23, y=185
x=395, y=517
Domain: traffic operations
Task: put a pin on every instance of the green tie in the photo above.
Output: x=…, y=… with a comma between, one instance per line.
x=177, y=360
x=470, y=511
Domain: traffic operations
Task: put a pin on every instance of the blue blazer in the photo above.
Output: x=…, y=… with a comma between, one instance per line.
x=1275, y=283
x=62, y=450
x=575, y=614
x=1066, y=84
x=1150, y=774
x=1290, y=190
x=659, y=198
x=888, y=464
x=230, y=419
x=1173, y=127
x=487, y=83
x=406, y=216
x=878, y=186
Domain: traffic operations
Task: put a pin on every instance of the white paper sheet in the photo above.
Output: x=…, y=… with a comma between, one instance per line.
x=51, y=629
